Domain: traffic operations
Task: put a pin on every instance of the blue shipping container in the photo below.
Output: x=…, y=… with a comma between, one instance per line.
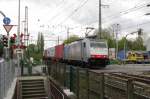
x=121, y=55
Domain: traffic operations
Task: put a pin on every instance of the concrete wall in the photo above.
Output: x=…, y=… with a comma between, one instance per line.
x=7, y=76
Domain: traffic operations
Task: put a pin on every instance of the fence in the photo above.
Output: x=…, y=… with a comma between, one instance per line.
x=87, y=84
x=7, y=74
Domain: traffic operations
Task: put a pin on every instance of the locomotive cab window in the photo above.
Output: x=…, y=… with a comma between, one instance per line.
x=84, y=44
x=98, y=45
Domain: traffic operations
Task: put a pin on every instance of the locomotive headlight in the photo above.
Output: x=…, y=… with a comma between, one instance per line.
x=105, y=56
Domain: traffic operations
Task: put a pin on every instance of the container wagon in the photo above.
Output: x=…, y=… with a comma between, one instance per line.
x=86, y=52
x=59, y=51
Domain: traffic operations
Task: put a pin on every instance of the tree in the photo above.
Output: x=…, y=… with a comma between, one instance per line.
x=39, y=47
x=33, y=52
x=138, y=44
x=71, y=39
x=121, y=44
x=107, y=34
x=111, y=43
x=36, y=50
x=40, y=43
x=132, y=45
x=31, y=48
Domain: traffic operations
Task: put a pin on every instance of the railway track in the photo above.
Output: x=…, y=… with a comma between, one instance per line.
x=137, y=84
x=124, y=84
x=139, y=78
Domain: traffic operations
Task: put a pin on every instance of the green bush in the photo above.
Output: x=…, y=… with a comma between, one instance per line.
x=114, y=62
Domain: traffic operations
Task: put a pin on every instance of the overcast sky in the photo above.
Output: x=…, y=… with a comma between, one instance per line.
x=53, y=17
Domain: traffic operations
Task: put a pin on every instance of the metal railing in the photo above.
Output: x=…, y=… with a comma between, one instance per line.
x=55, y=92
x=87, y=84
x=7, y=75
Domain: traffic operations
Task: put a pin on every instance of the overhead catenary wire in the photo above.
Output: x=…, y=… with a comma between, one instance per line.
x=60, y=4
x=127, y=21
x=137, y=7
x=73, y=12
x=47, y=40
x=60, y=12
x=127, y=12
x=136, y=25
x=144, y=23
x=123, y=12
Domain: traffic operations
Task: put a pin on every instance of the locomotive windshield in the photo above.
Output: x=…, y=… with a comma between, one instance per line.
x=98, y=45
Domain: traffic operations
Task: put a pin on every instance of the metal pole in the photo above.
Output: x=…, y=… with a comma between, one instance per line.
x=125, y=43
x=86, y=32
x=102, y=86
x=130, y=92
x=25, y=28
x=125, y=48
x=18, y=31
x=88, y=83
x=8, y=43
x=58, y=40
x=68, y=33
x=100, y=23
x=27, y=22
x=18, y=22
x=117, y=30
x=3, y=14
x=78, y=83
x=71, y=78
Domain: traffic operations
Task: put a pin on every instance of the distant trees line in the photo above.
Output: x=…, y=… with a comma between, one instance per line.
x=36, y=50
x=136, y=44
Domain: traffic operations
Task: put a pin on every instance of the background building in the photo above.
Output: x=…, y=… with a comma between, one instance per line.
x=148, y=45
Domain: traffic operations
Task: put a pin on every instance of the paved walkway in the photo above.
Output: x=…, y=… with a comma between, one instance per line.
x=10, y=92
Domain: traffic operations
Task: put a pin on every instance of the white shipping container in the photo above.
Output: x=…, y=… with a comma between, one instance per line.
x=51, y=52
x=112, y=53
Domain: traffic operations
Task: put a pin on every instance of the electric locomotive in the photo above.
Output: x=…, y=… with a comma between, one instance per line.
x=89, y=52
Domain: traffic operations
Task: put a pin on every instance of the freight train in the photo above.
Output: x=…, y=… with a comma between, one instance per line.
x=86, y=52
